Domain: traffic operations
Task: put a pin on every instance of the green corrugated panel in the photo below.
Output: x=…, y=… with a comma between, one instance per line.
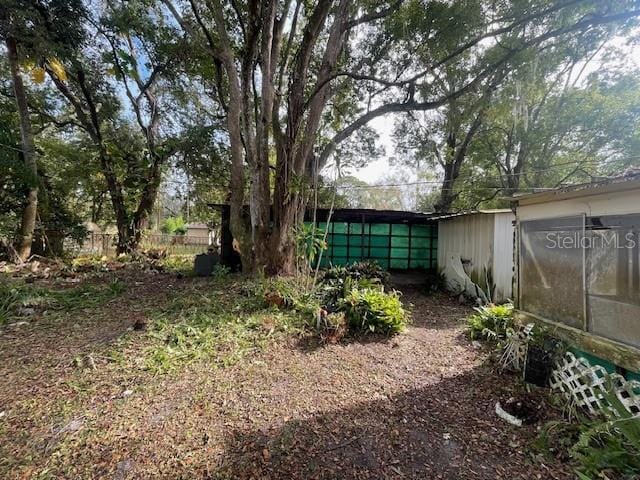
x=420, y=263
x=420, y=242
x=340, y=227
x=339, y=261
x=351, y=242
x=379, y=241
x=356, y=240
x=399, y=253
x=379, y=252
x=633, y=376
x=420, y=252
x=339, y=240
x=400, y=229
x=608, y=366
x=400, y=241
x=421, y=231
x=398, y=263
x=380, y=229
x=339, y=251
x=355, y=228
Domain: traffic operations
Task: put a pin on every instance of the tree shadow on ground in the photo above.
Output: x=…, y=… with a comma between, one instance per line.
x=444, y=430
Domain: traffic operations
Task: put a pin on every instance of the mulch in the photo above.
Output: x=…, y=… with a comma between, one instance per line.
x=420, y=405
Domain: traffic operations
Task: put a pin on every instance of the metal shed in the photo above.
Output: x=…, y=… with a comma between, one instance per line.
x=477, y=245
x=397, y=240
x=578, y=265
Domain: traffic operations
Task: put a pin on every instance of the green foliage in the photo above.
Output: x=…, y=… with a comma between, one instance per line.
x=555, y=439
x=610, y=448
x=15, y=296
x=309, y=242
x=338, y=281
x=220, y=327
x=604, y=447
x=286, y=292
x=375, y=311
x=491, y=321
x=12, y=297
x=182, y=264
x=174, y=226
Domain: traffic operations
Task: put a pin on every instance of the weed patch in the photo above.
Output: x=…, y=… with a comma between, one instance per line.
x=221, y=326
x=17, y=299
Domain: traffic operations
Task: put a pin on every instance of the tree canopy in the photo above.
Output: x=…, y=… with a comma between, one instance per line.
x=249, y=102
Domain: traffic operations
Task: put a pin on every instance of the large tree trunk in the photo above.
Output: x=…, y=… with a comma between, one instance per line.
x=447, y=193
x=28, y=222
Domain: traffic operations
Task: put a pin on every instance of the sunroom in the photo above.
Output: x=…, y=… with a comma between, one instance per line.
x=578, y=267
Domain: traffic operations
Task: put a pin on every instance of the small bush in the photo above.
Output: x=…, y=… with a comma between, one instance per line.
x=286, y=292
x=375, y=311
x=338, y=281
x=357, y=271
x=174, y=226
x=178, y=264
x=603, y=447
x=609, y=449
x=12, y=298
x=491, y=321
x=332, y=327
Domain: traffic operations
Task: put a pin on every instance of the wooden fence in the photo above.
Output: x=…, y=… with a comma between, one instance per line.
x=105, y=244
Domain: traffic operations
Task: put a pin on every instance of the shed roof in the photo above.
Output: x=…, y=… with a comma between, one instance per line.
x=625, y=182
x=361, y=214
x=464, y=213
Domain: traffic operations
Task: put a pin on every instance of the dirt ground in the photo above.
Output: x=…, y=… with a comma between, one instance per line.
x=420, y=405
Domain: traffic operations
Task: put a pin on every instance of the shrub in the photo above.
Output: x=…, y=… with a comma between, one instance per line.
x=286, y=292
x=11, y=298
x=332, y=327
x=360, y=270
x=609, y=449
x=174, y=226
x=491, y=321
x=374, y=311
x=338, y=281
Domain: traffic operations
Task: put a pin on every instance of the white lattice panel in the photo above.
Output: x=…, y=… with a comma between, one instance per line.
x=584, y=384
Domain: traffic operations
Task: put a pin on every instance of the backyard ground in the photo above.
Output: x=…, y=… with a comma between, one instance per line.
x=247, y=394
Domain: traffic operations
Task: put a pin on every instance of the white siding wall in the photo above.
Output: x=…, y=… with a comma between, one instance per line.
x=503, y=266
x=617, y=203
x=486, y=239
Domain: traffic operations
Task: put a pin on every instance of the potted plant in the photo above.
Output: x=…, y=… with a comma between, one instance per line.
x=543, y=351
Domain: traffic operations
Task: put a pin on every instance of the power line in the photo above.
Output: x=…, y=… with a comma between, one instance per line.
x=409, y=184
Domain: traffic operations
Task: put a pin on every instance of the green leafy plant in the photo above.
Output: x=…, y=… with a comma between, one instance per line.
x=220, y=271
x=359, y=270
x=174, y=226
x=178, y=264
x=286, y=292
x=604, y=447
x=332, y=327
x=610, y=448
x=491, y=322
x=310, y=242
x=375, y=311
x=12, y=297
x=338, y=281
